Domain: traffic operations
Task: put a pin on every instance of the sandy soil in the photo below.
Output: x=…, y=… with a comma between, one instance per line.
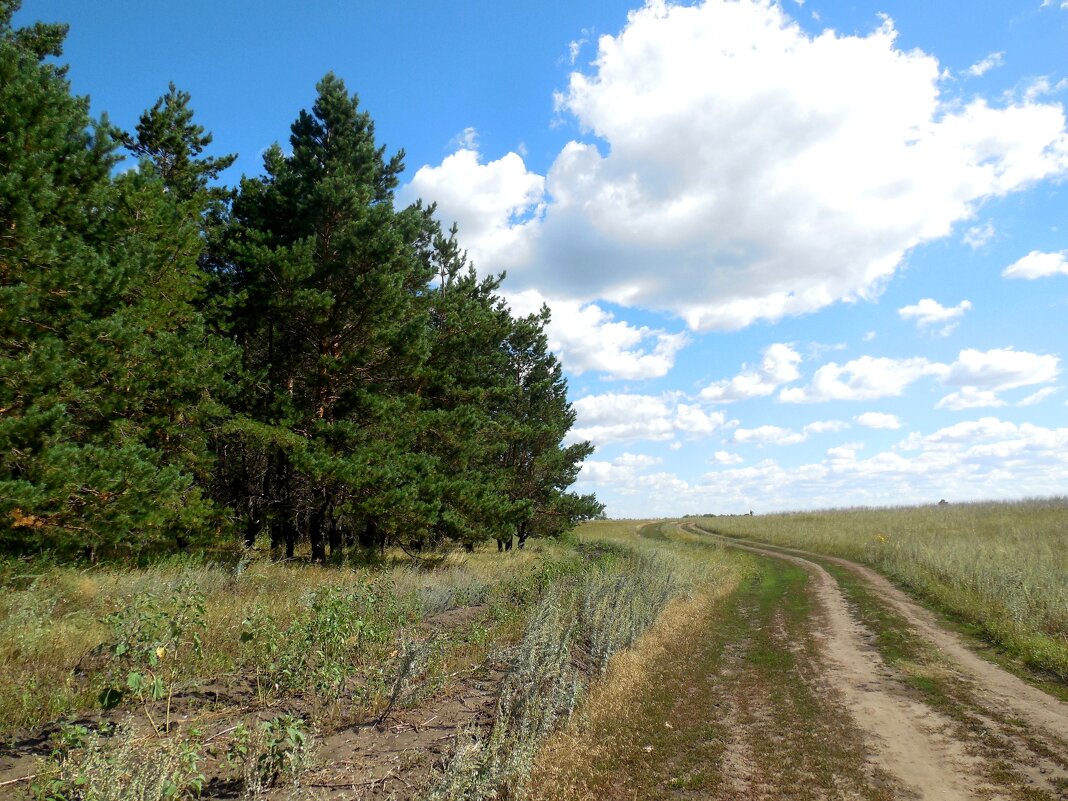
x=917, y=745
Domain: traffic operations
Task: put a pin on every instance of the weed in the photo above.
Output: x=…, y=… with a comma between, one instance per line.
x=94, y=766
x=150, y=641
x=328, y=646
x=276, y=752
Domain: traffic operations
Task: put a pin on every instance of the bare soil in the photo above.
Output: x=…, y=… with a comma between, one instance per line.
x=936, y=751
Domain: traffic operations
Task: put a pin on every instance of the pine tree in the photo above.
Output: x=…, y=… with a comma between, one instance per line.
x=538, y=417
x=328, y=279
x=99, y=446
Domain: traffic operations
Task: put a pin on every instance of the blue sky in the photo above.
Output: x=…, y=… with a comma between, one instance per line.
x=799, y=255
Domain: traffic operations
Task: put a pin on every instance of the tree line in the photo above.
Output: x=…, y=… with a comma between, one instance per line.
x=183, y=364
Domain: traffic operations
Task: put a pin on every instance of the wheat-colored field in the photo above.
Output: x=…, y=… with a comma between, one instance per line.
x=1000, y=567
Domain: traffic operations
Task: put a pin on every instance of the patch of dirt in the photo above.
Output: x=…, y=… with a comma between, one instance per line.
x=391, y=759
x=397, y=758
x=910, y=741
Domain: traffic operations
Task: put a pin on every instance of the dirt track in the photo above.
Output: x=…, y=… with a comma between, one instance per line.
x=1006, y=728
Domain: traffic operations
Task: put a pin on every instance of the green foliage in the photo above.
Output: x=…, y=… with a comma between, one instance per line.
x=151, y=642
x=329, y=646
x=177, y=357
x=275, y=752
x=118, y=766
x=100, y=449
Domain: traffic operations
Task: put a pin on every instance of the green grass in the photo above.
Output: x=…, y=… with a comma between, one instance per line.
x=723, y=668
x=1000, y=568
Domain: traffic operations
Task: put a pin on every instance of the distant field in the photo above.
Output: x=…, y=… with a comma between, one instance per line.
x=1000, y=567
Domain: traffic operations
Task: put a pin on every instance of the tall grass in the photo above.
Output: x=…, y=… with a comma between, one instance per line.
x=54, y=618
x=599, y=613
x=1000, y=567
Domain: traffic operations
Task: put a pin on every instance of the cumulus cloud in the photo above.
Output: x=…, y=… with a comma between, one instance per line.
x=1000, y=369
x=734, y=168
x=725, y=457
x=769, y=435
x=588, y=338
x=779, y=366
x=971, y=460
x=866, y=378
x=930, y=313
x=878, y=420
x=970, y=398
x=826, y=426
x=614, y=417
x=1037, y=264
x=494, y=204
x=975, y=371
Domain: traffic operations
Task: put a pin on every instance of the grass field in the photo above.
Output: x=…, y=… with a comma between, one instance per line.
x=1001, y=568
x=311, y=649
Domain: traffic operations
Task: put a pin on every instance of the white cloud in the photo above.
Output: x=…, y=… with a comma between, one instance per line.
x=494, y=204
x=1038, y=397
x=769, y=435
x=928, y=313
x=587, y=338
x=779, y=366
x=467, y=139
x=972, y=460
x=695, y=421
x=1037, y=264
x=970, y=398
x=985, y=65
x=625, y=467
x=975, y=371
x=735, y=168
x=878, y=420
x=979, y=235
x=724, y=457
x=1000, y=369
x=826, y=426
x=866, y=378
x=613, y=417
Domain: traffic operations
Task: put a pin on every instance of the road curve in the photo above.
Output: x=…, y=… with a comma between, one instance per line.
x=910, y=740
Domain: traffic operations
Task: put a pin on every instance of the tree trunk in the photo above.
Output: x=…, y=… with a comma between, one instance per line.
x=315, y=534
x=253, y=526
x=370, y=536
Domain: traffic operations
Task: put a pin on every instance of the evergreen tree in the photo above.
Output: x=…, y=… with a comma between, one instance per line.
x=538, y=417
x=99, y=445
x=328, y=279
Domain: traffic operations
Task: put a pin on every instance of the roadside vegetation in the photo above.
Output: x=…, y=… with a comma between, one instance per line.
x=722, y=695
x=1000, y=568
x=196, y=678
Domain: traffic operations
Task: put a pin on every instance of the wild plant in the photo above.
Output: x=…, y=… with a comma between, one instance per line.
x=273, y=753
x=150, y=643
x=539, y=687
x=328, y=645
x=615, y=608
x=118, y=766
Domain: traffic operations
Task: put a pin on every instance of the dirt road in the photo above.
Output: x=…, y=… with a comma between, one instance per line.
x=939, y=720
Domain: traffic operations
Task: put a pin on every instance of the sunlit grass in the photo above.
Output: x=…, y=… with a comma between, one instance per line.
x=53, y=617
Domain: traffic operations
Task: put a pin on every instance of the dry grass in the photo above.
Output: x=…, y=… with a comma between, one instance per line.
x=574, y=765
x=53, y=617
x=1001, y=567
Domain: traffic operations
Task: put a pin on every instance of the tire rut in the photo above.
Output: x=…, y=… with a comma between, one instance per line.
x=910, y=741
